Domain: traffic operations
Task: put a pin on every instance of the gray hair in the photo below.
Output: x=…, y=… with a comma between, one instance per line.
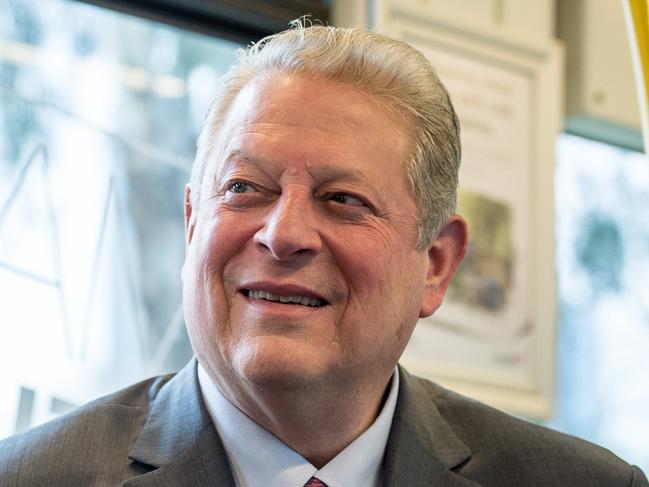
x=377, y=65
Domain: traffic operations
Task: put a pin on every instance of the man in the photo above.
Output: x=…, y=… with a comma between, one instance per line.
x=319, y=228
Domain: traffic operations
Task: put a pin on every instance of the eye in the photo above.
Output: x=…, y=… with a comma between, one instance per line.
x=346, y=199
x=240, y=187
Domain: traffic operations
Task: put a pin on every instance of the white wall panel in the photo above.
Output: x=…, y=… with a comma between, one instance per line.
x=599, y=72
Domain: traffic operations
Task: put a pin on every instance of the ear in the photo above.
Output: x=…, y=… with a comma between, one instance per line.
x=189, y=221
x=444, y=255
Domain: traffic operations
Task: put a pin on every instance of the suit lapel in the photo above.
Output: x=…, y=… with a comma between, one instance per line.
x=422, y=447
x=178, y=441
x=181, y=446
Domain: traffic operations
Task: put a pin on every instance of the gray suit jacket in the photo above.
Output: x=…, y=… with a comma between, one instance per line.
x=158, y=433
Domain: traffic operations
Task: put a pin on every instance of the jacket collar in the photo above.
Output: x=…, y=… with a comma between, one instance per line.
x=181, y=445
x=179, y=440
x=422, y=448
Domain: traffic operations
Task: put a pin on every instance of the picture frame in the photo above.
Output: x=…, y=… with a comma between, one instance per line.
x=494, y=337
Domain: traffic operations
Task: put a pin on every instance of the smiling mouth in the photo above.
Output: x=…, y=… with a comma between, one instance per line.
x=276, y=298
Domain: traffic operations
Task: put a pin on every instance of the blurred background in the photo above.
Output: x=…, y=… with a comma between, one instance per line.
x=100, y=106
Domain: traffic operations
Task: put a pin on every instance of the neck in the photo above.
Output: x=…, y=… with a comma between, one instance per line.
x=318, y=422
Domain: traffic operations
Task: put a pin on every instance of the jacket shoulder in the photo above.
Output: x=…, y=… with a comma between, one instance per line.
x=506, y=447
x=90, y=443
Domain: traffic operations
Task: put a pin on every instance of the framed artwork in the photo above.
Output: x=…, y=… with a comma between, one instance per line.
x=493, y=338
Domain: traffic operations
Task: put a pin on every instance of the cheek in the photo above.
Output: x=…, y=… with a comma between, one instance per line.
x=223, y=233
x=206, y=294
x=220, y=238
x=372, y=262
x=386, y=279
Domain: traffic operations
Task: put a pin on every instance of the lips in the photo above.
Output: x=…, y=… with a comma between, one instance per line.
x=285, y=294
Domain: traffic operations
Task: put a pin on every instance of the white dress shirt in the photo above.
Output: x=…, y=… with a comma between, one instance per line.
x=258, y=458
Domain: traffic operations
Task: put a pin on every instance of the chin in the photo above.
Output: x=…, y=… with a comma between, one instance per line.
x=273, y=366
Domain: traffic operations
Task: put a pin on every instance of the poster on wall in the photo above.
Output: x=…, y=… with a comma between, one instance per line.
x=493, y=336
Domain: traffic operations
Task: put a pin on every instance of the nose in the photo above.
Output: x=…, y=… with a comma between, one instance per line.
x=290, y=229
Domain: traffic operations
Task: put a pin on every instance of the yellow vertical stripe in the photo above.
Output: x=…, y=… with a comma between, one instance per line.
x=637, y=17
x=640, y=16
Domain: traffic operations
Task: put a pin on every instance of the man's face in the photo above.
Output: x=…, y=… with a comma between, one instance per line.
x=302, y=265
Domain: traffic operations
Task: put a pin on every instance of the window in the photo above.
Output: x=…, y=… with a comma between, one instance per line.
x=99, y=113
x=602, y=227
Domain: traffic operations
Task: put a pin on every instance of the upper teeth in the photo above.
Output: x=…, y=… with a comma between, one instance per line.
x=304, y=300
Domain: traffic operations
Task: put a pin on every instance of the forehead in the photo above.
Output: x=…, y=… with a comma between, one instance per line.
x=316, y=99
x=295, y=118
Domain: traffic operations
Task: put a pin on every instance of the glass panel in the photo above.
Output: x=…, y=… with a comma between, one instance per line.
x=99, y=114
x=602, y=225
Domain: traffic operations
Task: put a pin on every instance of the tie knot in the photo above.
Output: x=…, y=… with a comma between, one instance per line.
x=314, y=482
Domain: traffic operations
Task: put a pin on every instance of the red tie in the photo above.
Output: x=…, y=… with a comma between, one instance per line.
x=313, y=482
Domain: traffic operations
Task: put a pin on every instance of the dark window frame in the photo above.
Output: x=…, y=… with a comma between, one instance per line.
x=241, y=21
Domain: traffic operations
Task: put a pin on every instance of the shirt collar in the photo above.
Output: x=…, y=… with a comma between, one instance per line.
x=258, y=458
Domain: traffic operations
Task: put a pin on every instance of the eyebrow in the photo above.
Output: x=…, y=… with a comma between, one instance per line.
x=242, y=156
x=323, y=173
x=237, y=155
